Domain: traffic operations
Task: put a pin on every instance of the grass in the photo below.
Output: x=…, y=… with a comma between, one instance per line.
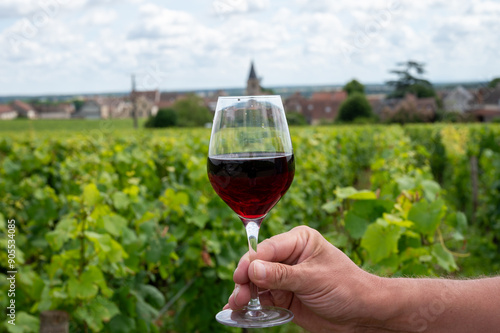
x=44, y=125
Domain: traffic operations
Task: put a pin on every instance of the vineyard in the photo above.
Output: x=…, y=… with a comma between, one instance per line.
x=122, y=230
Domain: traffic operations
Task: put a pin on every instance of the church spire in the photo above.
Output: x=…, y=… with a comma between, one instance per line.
x=253, y=83
x=252, y=75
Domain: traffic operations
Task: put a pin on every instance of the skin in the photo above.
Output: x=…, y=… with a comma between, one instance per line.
x=301, y=271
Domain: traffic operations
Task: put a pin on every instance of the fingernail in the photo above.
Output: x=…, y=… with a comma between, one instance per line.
x=259, y=270
x=235, y=294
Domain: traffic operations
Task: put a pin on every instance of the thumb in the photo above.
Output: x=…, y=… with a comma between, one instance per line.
x=272, y=275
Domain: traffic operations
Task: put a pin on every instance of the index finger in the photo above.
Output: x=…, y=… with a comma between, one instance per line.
x=290, y=248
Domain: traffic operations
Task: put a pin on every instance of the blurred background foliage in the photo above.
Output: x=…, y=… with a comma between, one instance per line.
x=122, y=229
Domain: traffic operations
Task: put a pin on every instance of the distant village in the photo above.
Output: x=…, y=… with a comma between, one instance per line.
x=479, y=104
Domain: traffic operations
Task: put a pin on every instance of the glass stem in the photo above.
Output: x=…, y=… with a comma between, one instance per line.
x=252, y=229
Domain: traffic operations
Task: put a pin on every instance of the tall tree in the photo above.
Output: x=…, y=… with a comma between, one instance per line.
x=191, y=111
x=410, y=81
x=355, y=106
x=354, y=86
x=164, y=118
x=494, y=83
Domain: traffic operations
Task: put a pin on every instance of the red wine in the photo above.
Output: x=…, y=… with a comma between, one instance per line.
x=251, y=183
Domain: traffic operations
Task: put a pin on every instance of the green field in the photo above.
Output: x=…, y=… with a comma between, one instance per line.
x=41, y=125
x=121, y=228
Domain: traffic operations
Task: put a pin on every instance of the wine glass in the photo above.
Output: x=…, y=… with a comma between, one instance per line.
x=251, y=166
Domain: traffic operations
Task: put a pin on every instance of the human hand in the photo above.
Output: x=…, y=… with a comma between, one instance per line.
x=301, y=271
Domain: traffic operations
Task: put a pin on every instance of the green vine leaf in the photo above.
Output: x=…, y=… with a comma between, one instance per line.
x=364, y=212
x=443, y=257
x=91, y=195
x=427, y=216
x=381, y=241
x=81, y=288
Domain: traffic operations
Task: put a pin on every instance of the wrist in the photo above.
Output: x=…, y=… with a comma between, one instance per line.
x=385, y=306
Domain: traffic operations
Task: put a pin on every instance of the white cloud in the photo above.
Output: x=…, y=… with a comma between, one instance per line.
x=157, y=22
x=99, y=17
x=15, y=8
x=96, y=45
x=228, y=7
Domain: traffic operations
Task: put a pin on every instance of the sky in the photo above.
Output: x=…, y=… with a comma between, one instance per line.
x=94, y=46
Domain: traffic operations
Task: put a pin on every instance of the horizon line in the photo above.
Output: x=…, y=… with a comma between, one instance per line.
x=187, y=90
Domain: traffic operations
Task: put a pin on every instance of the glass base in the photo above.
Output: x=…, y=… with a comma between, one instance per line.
x=268, y=316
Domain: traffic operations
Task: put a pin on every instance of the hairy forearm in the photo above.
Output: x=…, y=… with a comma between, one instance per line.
x=434, y=305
